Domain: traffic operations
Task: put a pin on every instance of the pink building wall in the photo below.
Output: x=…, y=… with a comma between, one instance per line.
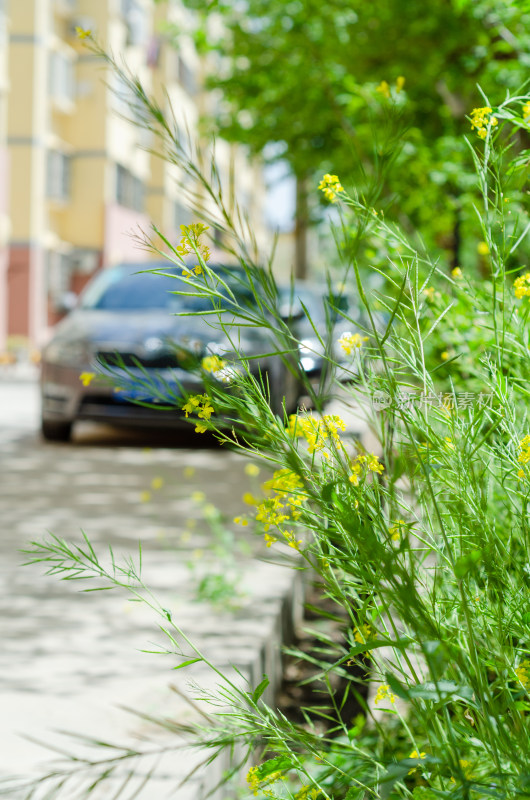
x=4, y=252
x=122, y=225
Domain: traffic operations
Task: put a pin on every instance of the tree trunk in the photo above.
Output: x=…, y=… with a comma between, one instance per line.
x=300, y=230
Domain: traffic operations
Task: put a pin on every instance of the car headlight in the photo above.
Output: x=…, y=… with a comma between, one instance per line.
x=66, y=352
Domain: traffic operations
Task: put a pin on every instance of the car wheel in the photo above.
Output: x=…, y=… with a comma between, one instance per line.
x=56, y=431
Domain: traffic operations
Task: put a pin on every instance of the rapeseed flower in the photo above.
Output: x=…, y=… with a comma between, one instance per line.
x=351, y=341
x=213, y=364
x=481, y=119
x=384, y=693
x=191, y=244
x=86, y=378
x=330, y=186
x=522, y=286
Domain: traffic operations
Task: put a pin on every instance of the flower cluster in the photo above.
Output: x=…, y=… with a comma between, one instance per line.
x=522, y=672
x=384, y=87
x=351, y=341
x=213, y=364
x=384, y=693
x=317, y=432
x=524, y=455
x=415, y=754
x=481, y=118
x=395, y=529
x=363, y=464
x=199, y=404
x=285, y=504
x=522, y=286
x=330, y=186
x=362, y=633
x=256, y=782
x=307, y=793
x=191, y=244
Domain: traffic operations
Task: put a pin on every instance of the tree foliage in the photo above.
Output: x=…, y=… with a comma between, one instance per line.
x=319, y=79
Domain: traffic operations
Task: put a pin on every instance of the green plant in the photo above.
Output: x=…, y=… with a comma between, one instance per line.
x=423, y=546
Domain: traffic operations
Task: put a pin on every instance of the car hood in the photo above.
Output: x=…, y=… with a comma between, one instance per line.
x=133, y=329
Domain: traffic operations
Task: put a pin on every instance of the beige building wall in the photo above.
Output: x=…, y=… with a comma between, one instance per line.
x=5, y=223
x=84, y=186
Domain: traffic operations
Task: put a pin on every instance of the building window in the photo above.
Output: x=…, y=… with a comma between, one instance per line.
x=58, y=175
x=58, y=274
x=136, y=21
x=61, y=78
x=181, y=215
x=186, y=76
x=130, y=190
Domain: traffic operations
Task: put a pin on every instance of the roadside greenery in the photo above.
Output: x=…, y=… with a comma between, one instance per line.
x=381, y=89
x=421, y=546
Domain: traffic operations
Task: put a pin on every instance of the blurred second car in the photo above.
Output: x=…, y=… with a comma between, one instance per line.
x=131, y=320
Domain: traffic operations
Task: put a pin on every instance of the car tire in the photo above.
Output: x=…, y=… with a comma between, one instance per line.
x=56, y=431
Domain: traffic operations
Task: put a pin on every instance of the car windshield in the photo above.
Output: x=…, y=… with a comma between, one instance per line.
x=125, y=288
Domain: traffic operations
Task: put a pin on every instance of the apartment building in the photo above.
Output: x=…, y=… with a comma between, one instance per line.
x=4, y=177
x=83, y=182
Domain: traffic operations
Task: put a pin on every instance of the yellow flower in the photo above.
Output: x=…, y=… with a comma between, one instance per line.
x=269, y=540
x=415, y=754
x=524, y=446
x=384, y=693
x=456, y=272
x=522, y=672
x=449, y=443
x=200, y=428
x=191, y=244
x=81, y=33
x=252, y=470
x=213, y=363
x=445, y=355
x=466, y=769
x=292, y=541
x=197, y=270
x=482, y=248
x=373, y=464
x=145, y=496
x=206, y=411
x=86, y=378
x=521, y=473
x=522, y=286
x=395, y=529
x=526, y=112
x=481, y=119
x=198, y=497
x=330, y=186
x=429, y=294
x=400, y=83
x=189, y=472
x=157, y=483
x=315, y=431
x=241, y=521
x=249, y=499
x=383, y=89
x=362, y=634
x=351, y=341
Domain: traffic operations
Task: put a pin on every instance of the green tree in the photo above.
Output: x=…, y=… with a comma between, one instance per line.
x=314, y=78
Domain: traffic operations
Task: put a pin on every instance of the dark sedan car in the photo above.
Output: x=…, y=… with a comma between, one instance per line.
x=130, y=319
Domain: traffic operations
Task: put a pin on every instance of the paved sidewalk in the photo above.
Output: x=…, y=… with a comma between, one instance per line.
x=72, y=661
